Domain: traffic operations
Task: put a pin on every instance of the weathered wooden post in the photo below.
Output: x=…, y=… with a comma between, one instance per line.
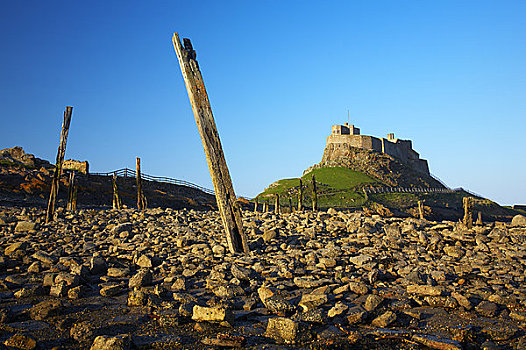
x=277, y=208
x=224, y=191
x=72, y=193
x=58, y=166
x=116, y=198
x=300, y=197
x=479, y=219
x=314, y=195
x=291, y=208
x=256, y=205
x=421, y=209
x=468, y=211
x=141, y=198
x=266, y=207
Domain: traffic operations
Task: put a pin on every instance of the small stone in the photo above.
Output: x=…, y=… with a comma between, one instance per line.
x=437, y=343
x=384, y=320
x=462, y=300
x=21, y=341
x=137, y=297
x=112, y=290
x=45, y=309
x=104, y=342
x=358, y=288
x=218, y=250
x=24, y=226
x=145, y=261
x=279, y=306
x=356, y=315
x=487, y=308
x=424, y=290
x=372, y=302
x=311, y=301
x=519, y=316
x=142, y=278
x=338, y=309
x=117, y=272
x=98, y=266
x=12, y=248
x=269, y=235
x=360, y=259
x=82, y=331
x=241, y=273
x=179, y=284
x=212, y=314
x=59, y=289
x=284, y=330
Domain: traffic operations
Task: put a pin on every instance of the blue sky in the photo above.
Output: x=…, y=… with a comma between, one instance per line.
x=450, y=75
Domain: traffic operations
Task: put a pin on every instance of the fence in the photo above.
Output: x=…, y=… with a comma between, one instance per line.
x=132, y=173
x=410, y=190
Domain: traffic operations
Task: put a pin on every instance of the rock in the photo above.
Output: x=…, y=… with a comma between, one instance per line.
x=45, y=309
x=424, y=290
x=437, y=343
x=141, y=278
x=360, y=259
x=462, y=300
x=24, y=226
x=358, y=288
x=316, y=315
x=269, y=235
x=59, y=289
x=285, y=330
x=384, y=320
x=119, y=342
x=487, y=308
x=82, y=331
x=111, y=290
x=279, y=306
x=518, y=220
x=179, y=284
x=125, y=226
x=98, y=266
x=21, y=341
x=117, y=272
x=145, y=261
x=372, y=302
x=241, y=273
x=17, y=246
x=212, y=314
x=356, y=315
x=519, y=316
x=305, y=282
x=338, y=309
x=44, y=258
x=311, y=301
x=137, y=297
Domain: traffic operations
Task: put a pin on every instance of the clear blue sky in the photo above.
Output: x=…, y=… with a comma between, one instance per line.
x=450, y=75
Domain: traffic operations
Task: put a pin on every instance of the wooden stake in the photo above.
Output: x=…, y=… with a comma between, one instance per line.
x=224, y=191
x=141, y=199
x=300, y=197
x=72, y=193
x=479, y=219
x=314, y=195
x=290, y=205
x=421, y=209
x=116, y=198
x=277, y=208
x=255, y=205
x=58, y=166
x=265, y=206
x=468, y=211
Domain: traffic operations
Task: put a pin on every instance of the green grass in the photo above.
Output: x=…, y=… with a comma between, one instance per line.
x=339, y=178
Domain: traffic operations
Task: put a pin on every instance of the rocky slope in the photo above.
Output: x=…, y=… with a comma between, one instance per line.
x=164, y=279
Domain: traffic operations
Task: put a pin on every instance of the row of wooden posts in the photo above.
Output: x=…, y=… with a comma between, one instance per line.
x=277, y=205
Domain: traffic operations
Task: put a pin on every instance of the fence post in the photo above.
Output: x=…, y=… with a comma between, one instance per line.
x=277, y=208
x=479, y=219
x=58, y=166
x=256, y=205
x=224, y=191
x=290, y=205
x=72, y=193
x=116, y=198
x=468, y=211
x=421, y=209
x=314, y=195
x=141, y=199
x=300, y=196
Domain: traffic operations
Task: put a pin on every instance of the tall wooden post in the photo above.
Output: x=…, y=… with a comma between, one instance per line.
x=141, y=199
x=290, y=205
x=224, y=191
x=58, y=166
x=72, y=193
x=116, y=198
x=479, y=219
x=468, y=211
x=256, y=205
x=265, y=207
x=300, y=197
x=421, y=210
x=277, y=208
x=314, y=195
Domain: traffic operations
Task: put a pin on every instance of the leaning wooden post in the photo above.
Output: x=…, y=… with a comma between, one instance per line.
x=314, y=195
x=300, y=197
x=58, y=166
x=421, y=209
x=141, y=199
x=277, y=208
x=225, y=196
x=116, y=198
x=468, y=211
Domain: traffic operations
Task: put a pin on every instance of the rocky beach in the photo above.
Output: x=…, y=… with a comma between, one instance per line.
x=164, y=278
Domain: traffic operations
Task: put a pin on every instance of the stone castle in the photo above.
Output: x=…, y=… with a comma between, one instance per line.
x=344, y=137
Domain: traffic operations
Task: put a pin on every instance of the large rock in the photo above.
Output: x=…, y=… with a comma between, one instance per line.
x=518, y=220
x=285, y=330
x=212, y=314
x=104, y=342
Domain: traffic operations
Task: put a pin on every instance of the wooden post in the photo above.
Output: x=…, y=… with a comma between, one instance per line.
x=58, y=166
x=421, y=209
x=314, y=195
x=468, y=211
x=265, y=205
x=479, y=219
x=72, y=193
x=277, y=208
x=300, y=197
x=141, y=199
x=256, y=205
x=116, y=198
x=290, y=205
x=224, y=191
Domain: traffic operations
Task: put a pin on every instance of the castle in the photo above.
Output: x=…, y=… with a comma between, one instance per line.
x=343, y=137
